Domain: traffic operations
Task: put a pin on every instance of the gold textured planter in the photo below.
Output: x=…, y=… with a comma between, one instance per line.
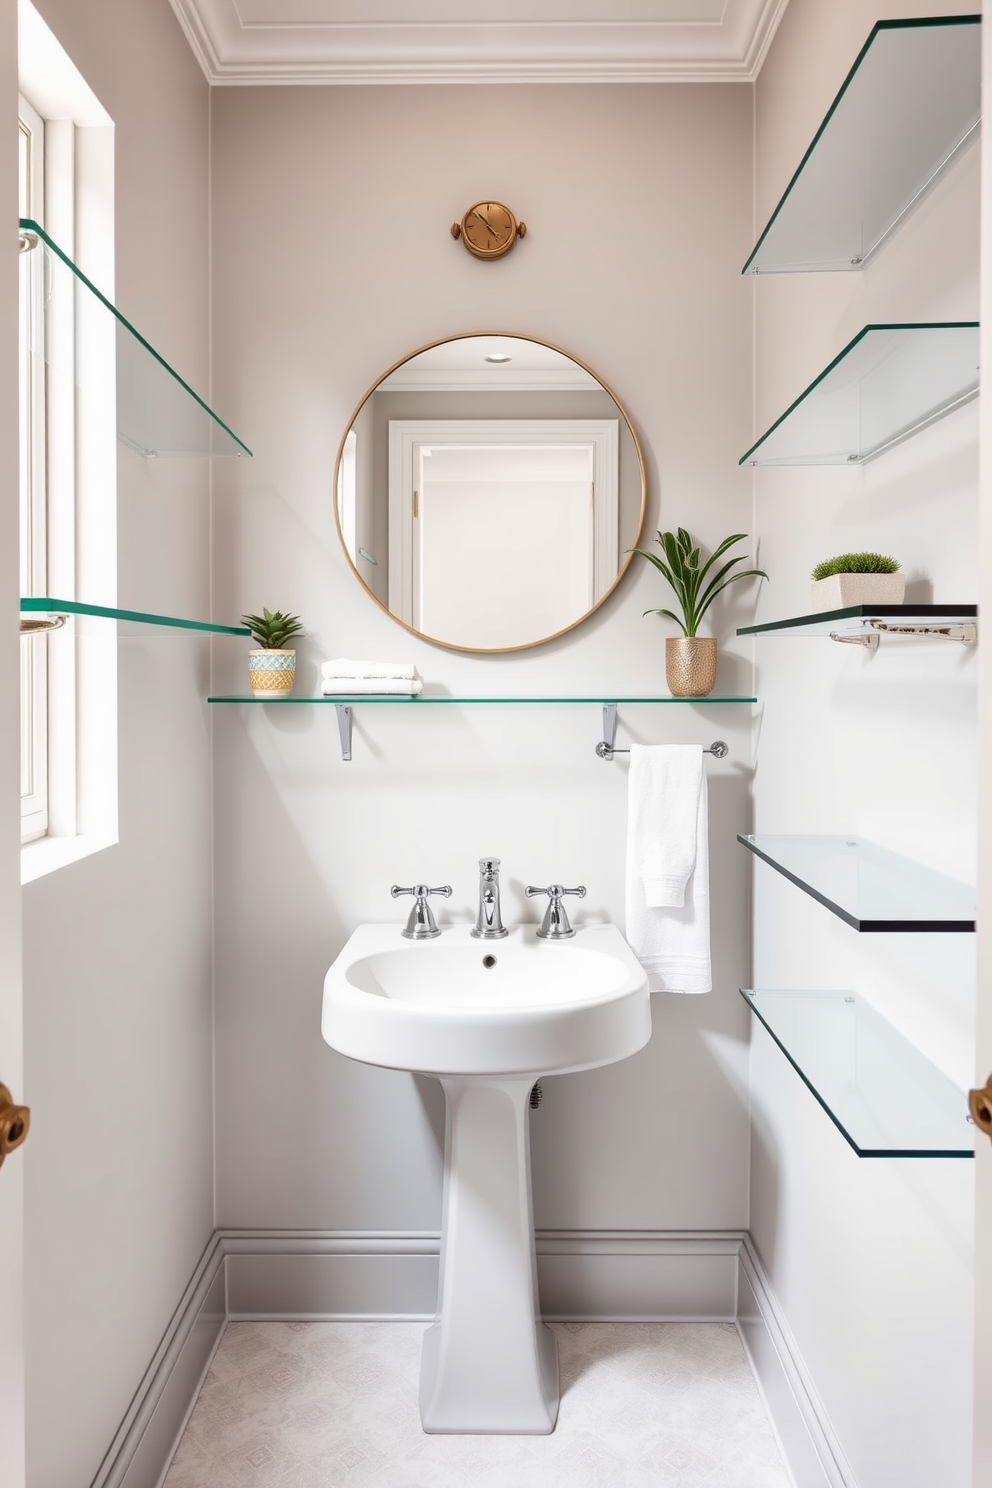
x=690, y=665
x=271, y=673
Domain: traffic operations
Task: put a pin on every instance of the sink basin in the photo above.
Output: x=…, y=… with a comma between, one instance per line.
x=487, y=1018
x=461, y=1006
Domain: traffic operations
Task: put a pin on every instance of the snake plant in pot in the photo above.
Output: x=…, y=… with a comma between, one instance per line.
x=690, y=659
x=272, y=665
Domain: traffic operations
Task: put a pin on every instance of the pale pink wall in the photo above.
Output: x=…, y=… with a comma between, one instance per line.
x=117, y=947
x=332, y=258
x=871, y=1261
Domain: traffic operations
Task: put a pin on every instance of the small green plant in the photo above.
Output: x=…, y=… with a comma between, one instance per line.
x=855, y=563
x=272, y=629
x=680, y=566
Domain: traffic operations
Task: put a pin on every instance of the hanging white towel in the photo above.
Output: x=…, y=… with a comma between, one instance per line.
x=341, y=666
x=668, y=891
x=371, y=687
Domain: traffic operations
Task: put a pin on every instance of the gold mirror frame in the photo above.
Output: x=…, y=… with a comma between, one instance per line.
x=526, y=645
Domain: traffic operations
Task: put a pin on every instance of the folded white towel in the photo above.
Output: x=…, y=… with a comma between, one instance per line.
x=371, y=687
x=342, y=667
x=668, y=894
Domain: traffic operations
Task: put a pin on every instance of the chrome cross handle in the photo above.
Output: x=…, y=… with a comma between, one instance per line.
x=555, y=924
x=421, y=924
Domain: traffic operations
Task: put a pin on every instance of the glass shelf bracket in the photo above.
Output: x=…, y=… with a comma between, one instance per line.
x=867, y=886
x=158, y=413
x=604, y=749
x=883, y=1095
x=906, y=110
x=862, y=625
x=886, y=385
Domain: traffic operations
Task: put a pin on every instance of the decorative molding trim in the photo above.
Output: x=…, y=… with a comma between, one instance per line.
x=809, y=1442
x=233, y=53
x=156, y=1418
x=585, y=1275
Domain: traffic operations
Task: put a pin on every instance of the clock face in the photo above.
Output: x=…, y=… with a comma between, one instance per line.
x=489, y=229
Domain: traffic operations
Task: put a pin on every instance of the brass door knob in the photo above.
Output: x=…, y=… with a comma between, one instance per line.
x=14, y=1123
x=980, y=1106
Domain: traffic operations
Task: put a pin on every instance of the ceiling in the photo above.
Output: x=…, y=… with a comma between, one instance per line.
x=464, y=41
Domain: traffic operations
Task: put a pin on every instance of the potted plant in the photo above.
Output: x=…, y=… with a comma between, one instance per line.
x=272, y=666
x=857, y=579
x=690, y=659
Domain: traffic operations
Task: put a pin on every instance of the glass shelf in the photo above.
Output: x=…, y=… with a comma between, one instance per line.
x=363, y=698
x=887, y=384
x=605, y=748
x=855, y=620
x=908, y=107
x=867, y=886
x=158, y=414
x=881, y=1093
x=89, y=619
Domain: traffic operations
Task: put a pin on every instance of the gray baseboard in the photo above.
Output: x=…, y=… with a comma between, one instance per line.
x=808, y=1441
x=621, y=1275
x=147, y=1437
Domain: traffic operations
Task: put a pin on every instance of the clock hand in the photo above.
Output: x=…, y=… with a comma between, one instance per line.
x=485, y=220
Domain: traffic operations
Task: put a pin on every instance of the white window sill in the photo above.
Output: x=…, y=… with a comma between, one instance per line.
x=51, y=853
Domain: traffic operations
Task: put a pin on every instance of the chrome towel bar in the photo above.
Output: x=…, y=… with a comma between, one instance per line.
x=606, y=748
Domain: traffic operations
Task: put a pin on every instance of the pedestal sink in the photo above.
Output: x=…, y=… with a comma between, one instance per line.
x=487, y=1018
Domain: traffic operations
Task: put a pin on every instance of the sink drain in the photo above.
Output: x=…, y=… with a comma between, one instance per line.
x=488, y=961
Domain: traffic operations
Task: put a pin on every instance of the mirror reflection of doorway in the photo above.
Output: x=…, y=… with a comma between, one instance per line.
x=501, y=530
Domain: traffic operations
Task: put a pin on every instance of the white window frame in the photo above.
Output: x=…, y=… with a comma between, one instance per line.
x=33, y=491
x=81, y=453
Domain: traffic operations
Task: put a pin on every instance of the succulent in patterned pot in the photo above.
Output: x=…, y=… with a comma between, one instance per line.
x=272, y=666
x=690, y=659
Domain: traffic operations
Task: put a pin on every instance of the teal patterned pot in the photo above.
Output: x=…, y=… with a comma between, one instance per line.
x=271, y=673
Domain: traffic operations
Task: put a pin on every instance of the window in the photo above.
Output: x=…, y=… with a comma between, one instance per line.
x=68, y=460
x=33, y=489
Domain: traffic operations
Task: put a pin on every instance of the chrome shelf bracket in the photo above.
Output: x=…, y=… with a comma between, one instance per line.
x=343, y=712
x=966, y=634
x=868, y=639
x=605, y=747
x=33, y=625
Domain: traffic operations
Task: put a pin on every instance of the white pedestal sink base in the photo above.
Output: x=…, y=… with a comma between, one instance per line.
x=490, y=1366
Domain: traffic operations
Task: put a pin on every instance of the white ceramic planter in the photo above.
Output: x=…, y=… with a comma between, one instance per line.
x=840, y=591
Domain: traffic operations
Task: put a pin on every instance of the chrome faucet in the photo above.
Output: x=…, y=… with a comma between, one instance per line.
x=555, y=924
x=488, y=924
x=421, y=924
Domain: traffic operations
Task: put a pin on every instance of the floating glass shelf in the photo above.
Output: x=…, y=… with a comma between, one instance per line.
x=605, y=748
x=881, y=1093
x=887, y=384
x=867, y=886
x=908, y=107
x=46, y=614
x=856, y=620
x=419, y=702
x=158, y=413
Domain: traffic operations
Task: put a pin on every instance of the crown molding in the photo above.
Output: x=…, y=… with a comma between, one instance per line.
x=273, y=52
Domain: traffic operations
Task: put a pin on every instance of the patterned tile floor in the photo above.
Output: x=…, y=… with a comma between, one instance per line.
x=331, y=1405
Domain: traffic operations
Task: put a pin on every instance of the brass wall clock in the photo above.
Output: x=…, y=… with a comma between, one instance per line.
x=488, y=229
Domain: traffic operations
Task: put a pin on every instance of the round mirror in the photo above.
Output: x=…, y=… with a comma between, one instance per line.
x=489, y=489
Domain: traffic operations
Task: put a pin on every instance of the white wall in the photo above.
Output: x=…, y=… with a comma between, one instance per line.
x=117, y=947
x=870, y=1260
x=11, y=1027
x=332, y=258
